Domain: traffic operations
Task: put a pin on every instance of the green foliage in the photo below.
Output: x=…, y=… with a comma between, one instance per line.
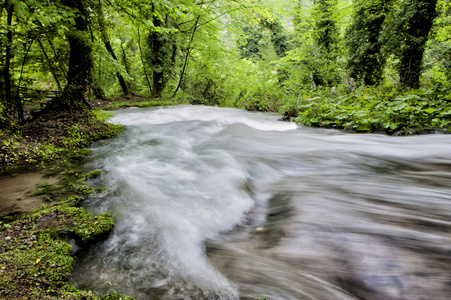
x=249, y=44
x=326, y=31
x=139, y=103
x=257, y=105
x=162, y=47
x=278, y=37
x=74, y=138
x=437, y=59
x=373, y=111
x=257, y=42
x=206, y=87
x=102, y=115
x=15, y=154
x=258, y=55
x=317, y=55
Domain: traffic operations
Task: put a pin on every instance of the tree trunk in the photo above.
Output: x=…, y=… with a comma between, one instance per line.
x=8, y=57
x=188, y=52
x=109, y=48
x=120, y=78
x=419, y=25
x=366, y=61
x=79, y=77
x=161, y=47
x=142, y=61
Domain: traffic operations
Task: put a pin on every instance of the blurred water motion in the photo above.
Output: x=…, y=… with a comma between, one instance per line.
x=214, y=203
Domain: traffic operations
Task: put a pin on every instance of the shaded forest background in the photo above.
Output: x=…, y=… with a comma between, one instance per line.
x=374, y=65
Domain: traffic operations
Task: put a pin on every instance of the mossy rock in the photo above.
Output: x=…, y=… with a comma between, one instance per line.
x=35, y=264
x=74, y=222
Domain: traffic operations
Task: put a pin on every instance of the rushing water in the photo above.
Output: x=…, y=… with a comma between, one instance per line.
x=214, y=203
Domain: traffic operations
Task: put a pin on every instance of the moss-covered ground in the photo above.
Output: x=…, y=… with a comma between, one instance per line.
x=35, y=253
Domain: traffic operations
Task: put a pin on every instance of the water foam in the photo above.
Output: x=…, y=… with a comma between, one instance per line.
x=183, y=113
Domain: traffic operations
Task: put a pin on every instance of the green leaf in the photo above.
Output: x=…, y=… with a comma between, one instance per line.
x=429, y=110
x=393, y=126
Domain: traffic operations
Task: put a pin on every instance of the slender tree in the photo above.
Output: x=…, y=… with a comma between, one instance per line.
x=106, y=41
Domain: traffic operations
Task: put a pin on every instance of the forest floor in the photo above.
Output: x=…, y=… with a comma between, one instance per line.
x=39, y=213
x=49, y=135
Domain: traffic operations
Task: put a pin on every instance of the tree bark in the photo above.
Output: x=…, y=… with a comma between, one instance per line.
x=366, y=61
x=419, y=25
x=188, y=52
x=79, y=77
x=142, y=61
x=161, y=47
x=8, y=57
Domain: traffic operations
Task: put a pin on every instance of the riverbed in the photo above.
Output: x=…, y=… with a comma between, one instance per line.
x=220, y=203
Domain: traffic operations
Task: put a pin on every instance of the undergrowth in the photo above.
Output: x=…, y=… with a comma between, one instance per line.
x=35, y=257
x=411, y=112
x=42, y=141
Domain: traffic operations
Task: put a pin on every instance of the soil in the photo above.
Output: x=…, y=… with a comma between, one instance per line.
x=16, y=197
x=16, y=192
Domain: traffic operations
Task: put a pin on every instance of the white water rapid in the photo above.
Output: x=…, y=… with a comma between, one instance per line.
x=217, y=203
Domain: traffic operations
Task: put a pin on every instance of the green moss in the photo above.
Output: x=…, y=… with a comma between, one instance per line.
x=84, y=190
x=115, y=296
x=77, y=154
x=45, y=188
x=102, y=115
x=35, y=265
x=93, y=174
x=35, y=262
x=88, y=229
x=74, y=222
x=72, y=200
x=68, y=136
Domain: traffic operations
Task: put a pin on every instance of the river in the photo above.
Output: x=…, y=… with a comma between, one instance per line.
x=218, y=203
